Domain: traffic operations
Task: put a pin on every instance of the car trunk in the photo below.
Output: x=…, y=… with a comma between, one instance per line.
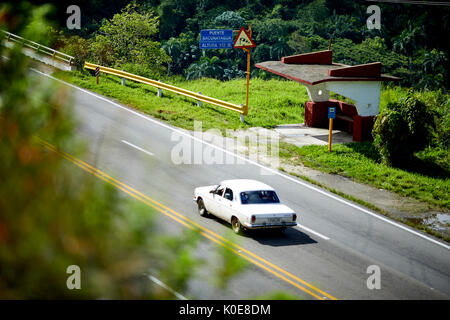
x=269, y=213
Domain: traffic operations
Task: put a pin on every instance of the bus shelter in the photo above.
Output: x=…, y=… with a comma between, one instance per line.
x=360, y=83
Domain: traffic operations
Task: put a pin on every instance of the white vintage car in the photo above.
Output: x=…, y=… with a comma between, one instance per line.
x=246, y=204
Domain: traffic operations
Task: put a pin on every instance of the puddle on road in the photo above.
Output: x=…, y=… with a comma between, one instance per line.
x=438, y=221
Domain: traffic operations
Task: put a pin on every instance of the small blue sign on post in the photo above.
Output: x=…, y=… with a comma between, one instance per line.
x=331, y=116
x=331, y=112
x=216, y=39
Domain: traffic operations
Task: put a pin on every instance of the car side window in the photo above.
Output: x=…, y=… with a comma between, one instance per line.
x=219, y=191
x=228, y=194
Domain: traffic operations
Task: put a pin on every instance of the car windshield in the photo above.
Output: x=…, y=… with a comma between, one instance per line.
x=262, y=196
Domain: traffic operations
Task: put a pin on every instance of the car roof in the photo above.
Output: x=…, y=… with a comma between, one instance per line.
x=239, y=185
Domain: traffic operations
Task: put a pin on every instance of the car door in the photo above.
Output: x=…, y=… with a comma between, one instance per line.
x=226, y=204
x=208, y=198
x=214, y=204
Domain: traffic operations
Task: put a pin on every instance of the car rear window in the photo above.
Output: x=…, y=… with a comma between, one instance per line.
x=262, y=196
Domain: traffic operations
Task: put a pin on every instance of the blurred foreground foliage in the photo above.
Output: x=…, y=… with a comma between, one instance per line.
x=53, y=214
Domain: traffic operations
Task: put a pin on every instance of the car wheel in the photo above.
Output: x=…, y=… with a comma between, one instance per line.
x=201, y=208
x=236, y=225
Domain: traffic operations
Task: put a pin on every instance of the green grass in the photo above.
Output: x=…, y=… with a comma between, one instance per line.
x=359, y=161
x=271, y=102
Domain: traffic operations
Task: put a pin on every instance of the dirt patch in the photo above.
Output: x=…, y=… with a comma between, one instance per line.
x=166, y=111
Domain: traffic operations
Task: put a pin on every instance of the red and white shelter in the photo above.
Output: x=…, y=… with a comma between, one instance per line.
x=320, y=75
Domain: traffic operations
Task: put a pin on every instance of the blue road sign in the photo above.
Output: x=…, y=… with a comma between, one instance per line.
x=216, y=39
x=331, y=112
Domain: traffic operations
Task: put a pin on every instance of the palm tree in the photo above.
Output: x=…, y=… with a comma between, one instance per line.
x=173, y=49
x=432, y=60
x=434, y=68
x=206, y=67
x=408, y=41
x=280, y=49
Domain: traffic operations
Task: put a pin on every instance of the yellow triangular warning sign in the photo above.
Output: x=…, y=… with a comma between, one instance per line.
x=243, y=40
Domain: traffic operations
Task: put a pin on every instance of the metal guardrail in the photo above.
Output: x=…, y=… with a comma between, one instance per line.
x=160, y=85
x=39, y=48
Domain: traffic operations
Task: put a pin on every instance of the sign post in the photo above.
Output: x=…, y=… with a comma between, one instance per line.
x=245, y=42
x=223, y=39
x=97, y=73
x=331, y=116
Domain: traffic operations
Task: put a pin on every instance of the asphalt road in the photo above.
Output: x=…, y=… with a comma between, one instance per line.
x=327, y=255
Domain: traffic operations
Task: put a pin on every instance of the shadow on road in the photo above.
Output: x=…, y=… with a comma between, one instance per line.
x=273, y=237
x=277, y=238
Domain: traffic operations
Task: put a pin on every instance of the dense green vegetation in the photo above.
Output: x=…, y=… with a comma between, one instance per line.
x=404, y=128
x=410, y=43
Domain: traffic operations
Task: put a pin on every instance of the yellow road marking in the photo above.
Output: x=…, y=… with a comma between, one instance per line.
x=255, y=259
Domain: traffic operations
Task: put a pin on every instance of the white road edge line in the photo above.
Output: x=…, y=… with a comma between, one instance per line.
x=163, y=285
x=138, y=148
x=313, y=232
x=252, y=162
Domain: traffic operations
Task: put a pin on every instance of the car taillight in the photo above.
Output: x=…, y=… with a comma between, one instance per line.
x=253, y=219
x=294, y=217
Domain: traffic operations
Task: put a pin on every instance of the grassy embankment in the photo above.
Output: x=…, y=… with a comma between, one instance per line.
x=278, y=102
x=266, y=109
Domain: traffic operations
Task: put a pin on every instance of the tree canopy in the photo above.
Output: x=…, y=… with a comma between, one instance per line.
x=410, y=43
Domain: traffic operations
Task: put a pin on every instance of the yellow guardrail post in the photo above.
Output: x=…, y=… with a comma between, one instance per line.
x=199, y=103
x=159, y=90
x=164, y=86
